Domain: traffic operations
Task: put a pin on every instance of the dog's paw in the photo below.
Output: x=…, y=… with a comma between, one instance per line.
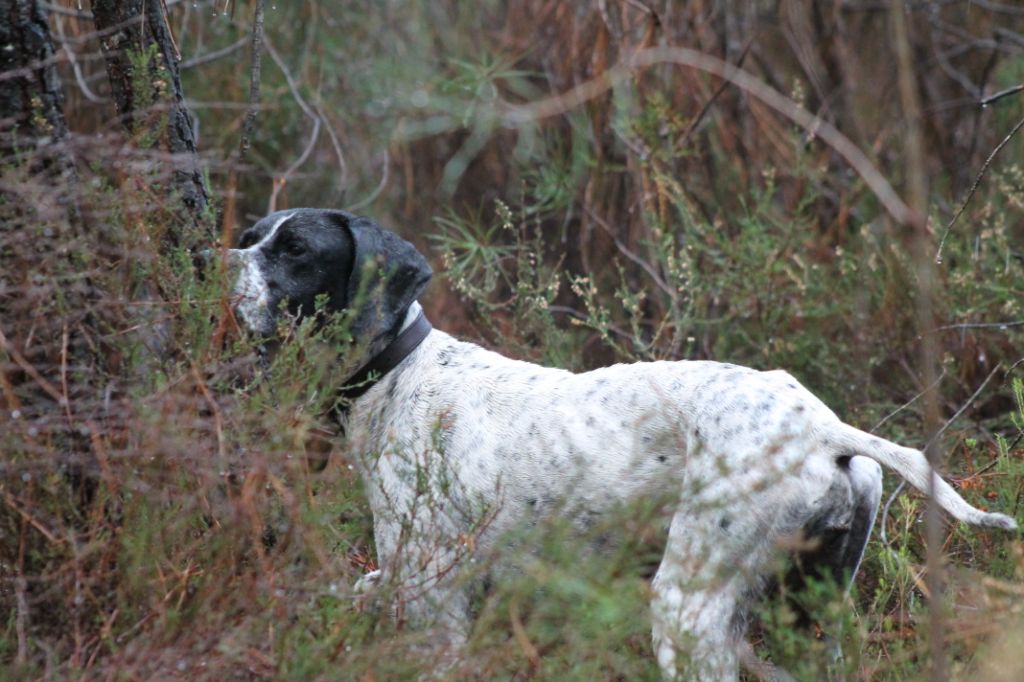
x=367, y=583
x=363, y=592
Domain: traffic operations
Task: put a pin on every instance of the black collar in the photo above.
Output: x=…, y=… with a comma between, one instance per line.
x=385, y=361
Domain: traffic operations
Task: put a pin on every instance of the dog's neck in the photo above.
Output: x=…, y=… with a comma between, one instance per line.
x=413, y=330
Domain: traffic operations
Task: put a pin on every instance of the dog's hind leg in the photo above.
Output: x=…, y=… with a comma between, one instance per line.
x=695, y=606
x=841, y=531
x=692, y=631
x=839, y=535
x=866, y=486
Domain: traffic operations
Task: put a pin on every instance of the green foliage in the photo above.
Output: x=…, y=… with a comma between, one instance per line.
x=510, y=280
x=149, y=86
x=160, y=517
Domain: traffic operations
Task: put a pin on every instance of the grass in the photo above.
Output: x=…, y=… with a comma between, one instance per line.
x=184, y=531
x=162, y=512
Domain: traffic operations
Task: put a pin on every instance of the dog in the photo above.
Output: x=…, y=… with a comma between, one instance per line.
x=459, y=446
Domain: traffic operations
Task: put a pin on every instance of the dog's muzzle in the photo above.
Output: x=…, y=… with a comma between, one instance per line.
x=251, y=294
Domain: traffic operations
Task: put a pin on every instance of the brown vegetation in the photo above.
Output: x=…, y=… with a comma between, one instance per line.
x=158, y=515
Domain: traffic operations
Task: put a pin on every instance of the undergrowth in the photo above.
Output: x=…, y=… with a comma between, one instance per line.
x=167, y=517
x=163, y=514
x=785, y=310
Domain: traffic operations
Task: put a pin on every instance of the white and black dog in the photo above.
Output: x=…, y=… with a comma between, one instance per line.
x=459, y=445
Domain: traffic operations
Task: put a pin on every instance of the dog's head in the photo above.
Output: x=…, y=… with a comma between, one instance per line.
x=290, y=258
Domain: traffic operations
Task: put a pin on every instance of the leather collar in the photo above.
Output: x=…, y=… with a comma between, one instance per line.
x=389, y=358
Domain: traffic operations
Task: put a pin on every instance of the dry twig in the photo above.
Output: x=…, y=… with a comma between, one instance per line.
x=514, y=115
x=254, y=82
x=974, y=187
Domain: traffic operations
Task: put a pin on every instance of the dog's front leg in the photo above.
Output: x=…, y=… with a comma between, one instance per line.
x=432, y=600
x=426, y=525
x=367, y=583
x=423, y=579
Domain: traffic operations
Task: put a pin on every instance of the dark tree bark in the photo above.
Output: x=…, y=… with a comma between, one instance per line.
x=142, y=64
x=32, y=126
x=30, y=96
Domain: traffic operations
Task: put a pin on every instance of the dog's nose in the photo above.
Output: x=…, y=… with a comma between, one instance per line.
x=205, y=259
x=231, y=256
x=202, y=259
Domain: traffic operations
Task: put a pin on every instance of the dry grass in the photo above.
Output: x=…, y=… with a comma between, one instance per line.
x=159, y=513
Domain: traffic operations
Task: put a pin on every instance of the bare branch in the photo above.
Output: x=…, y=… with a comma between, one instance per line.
x=949, y=422
x=992, y=99
x=208, y=57
x=254, y=81
x=69, y=50
x=974, y=187
x=376, y=192
x=293, y=87
x=718, y=93
x=514, y=115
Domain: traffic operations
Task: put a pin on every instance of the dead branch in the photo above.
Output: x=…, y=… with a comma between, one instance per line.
x=974, y=188
x=514, y=115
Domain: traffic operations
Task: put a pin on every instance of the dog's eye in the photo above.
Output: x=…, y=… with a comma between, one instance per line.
x=293, y=247
x=247, y=240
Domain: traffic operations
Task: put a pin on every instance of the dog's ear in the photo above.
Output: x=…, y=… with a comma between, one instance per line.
x=388, y=274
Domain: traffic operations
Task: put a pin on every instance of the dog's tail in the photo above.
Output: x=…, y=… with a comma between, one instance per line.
x=912, y=465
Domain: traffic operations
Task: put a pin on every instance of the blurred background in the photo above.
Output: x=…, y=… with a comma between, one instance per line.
x=160, y=517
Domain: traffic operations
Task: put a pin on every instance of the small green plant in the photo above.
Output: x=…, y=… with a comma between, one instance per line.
x=159, y=514
x=509, y=283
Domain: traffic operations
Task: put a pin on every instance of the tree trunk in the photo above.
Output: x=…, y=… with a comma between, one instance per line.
x=32, y=127
x=142, y=64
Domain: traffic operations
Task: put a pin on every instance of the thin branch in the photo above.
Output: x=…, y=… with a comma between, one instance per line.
x=29, y=369
x=963, y=408
x=711, y=100
x=254, y=82
x=1012, y=36
x=208, y=57
x=908, y=403
x=949, y=422
x=916, y=185
x=992, y=99
x=376, y=192
x=961, y=79
x=21, y=618
x=16, y=506
x=313, y=136
x=314, y=112
x=515, y=115
x=54, y=8
x=999, y=8
x=974, y=187
x=293, y=87
x=338, y=151
x=647, y=267
x=980, y=325
x=75, y=66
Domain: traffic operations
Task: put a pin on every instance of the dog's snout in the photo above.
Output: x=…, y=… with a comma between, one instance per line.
x=207, y=257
